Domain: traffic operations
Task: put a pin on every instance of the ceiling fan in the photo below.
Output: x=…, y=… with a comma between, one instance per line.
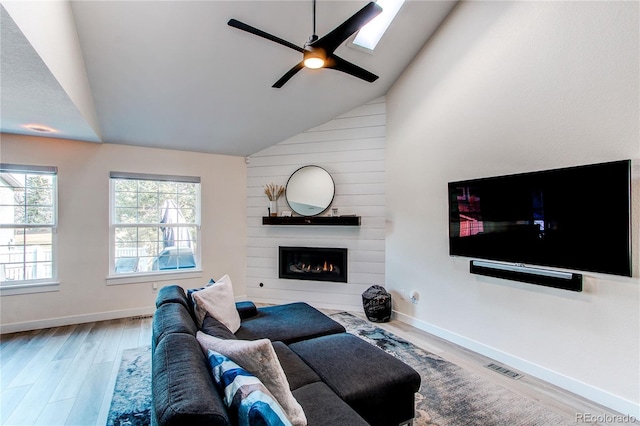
x=318, y=52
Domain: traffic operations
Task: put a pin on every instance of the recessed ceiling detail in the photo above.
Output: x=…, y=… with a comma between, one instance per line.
x=39, y=128
x=42, y=78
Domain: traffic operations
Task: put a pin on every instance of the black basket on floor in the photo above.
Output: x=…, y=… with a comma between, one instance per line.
x=376, y=302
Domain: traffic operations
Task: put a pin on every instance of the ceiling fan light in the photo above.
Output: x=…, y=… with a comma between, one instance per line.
x=313, y=58
x=314, y=62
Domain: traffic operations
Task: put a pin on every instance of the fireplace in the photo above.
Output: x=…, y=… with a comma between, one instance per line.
x=313, y=263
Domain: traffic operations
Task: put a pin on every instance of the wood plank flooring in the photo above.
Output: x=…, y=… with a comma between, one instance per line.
x=66, y=375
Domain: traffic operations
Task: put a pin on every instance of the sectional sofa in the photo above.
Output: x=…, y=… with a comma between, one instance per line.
x=336, y=377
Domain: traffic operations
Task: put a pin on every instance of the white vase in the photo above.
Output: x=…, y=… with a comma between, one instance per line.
x=273, y=208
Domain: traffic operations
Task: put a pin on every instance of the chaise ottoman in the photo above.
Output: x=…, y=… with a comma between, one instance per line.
x=287, y=323
x=364, y=376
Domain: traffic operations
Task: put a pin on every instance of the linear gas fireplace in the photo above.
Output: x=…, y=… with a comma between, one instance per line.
x=313, y=263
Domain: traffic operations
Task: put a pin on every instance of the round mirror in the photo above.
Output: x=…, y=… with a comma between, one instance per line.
x=310, y=190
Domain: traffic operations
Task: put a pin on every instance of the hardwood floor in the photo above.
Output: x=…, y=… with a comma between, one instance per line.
x=66, y=375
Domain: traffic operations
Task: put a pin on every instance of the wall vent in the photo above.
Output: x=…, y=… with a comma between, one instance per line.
x=504, y=371
x=139, y=317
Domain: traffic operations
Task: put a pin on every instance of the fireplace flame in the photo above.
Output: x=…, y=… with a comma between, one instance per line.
x=323, y=266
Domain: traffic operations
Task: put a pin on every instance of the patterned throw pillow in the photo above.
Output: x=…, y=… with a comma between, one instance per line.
x=260, y=359
x=192, y=301
x=248, y=401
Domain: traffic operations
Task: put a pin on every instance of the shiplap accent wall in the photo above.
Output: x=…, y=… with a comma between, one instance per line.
x=351, y=148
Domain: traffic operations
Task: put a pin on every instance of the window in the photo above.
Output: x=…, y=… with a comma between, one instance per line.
x=28, y=210
x=155, y=223
x=369, y=35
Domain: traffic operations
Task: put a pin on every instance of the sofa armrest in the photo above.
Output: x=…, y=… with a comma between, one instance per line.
x=183, y=392
x=246, y=309
x=171, y=318
x=172, y=294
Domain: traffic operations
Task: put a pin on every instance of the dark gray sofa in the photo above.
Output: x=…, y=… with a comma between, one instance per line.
x=337, y=378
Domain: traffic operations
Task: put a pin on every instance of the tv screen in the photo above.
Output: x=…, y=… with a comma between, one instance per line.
x=576, y=218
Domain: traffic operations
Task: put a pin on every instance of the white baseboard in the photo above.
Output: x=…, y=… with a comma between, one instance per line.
x=75, y=319
x=589, y=392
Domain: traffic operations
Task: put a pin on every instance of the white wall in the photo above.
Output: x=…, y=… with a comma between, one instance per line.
x=83, y=227
x=507, y=87
x=351, y=149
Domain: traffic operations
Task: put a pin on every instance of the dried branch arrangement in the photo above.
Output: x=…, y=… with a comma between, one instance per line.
x=273, y=191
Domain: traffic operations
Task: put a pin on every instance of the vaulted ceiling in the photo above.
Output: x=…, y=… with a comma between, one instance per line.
x=173, y=74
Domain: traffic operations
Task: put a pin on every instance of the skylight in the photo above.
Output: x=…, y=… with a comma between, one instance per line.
x=369, y=35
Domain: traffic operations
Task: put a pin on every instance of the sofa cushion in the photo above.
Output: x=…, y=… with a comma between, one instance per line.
x=213, y=327
x=246, y=309
x=171, y=318
x=364, y=376
x=183, y=389
x=287, y=323
x=248, y=400
x=259, y=358
x=218, y=301
x=324, y=408
x=297, y=371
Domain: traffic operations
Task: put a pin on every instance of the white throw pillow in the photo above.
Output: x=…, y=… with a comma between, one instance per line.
x=218, y=301
x=259, y=358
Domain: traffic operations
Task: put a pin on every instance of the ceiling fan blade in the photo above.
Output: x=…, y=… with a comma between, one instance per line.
x=335, y=38
x=339, y=64
x=253, y=30
x=278, y=84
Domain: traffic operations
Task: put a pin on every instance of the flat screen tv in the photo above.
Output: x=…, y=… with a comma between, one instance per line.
x=577, y=218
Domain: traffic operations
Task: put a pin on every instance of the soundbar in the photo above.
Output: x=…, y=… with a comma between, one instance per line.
x=546, y=277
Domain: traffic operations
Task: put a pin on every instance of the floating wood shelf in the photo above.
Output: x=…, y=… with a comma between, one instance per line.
x=312, y=220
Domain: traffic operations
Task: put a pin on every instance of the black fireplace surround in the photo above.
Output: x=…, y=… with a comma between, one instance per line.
x=313, y=263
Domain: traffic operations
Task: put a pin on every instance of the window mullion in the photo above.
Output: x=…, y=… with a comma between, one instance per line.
x=26, y=225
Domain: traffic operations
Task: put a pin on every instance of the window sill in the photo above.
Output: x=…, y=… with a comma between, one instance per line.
x=152, y=277
x=28, y=288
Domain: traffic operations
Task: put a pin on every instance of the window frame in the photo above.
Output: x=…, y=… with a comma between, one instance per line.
x=114, y=278
x=39, y=284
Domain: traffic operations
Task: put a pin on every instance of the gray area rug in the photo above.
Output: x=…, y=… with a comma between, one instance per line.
x=450, y=395
x=131, y=403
